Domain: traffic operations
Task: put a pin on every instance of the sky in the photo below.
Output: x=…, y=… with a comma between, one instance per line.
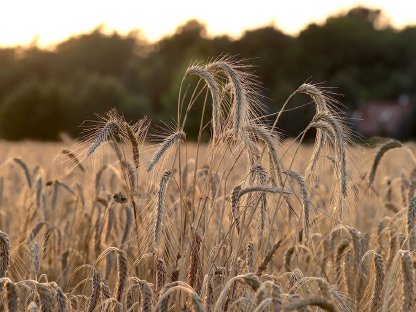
x=51, y=21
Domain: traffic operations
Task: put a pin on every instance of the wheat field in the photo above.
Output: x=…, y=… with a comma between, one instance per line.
x=132, y=218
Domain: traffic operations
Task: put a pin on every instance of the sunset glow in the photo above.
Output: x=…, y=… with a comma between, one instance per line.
x=48, y=22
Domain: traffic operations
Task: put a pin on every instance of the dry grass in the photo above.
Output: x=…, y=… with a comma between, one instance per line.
x=246, y=222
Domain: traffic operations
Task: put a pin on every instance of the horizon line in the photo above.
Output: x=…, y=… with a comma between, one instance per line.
x=106, y=28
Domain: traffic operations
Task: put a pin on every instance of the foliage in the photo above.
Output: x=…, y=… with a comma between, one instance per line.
x=358, y=52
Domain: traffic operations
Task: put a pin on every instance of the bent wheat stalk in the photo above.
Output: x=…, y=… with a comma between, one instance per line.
x=311, y=301
x=213, y=87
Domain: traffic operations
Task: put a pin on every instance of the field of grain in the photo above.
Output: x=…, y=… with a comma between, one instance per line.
x=246, y=222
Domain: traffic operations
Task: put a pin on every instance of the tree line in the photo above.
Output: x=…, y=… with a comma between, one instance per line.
x=44, y=92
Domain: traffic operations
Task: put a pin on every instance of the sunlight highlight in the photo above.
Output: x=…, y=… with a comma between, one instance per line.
x=48, y=22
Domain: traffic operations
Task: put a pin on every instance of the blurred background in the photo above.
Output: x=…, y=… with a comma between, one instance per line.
x=62, y=63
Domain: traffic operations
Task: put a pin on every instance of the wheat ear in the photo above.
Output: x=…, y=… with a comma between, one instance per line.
x=95, y=291
x=122, y=274
x=234, y=206
x=306, y=199
x=147, y=294
x=105, y=290
x=261, y=175
x=250, y=279
x=74, y=161
x=12, y=297
x=268, y=257
x=130, y=174
x=128, y=225
x=408, y=282
x=411, y=223
x=320, y=100
x=213, y=87
x=25, y=169
x=108, y=129
x=161, y=205
x=250, y=257
x=340, y=141
x=36, y=259
x=134, y=144
x=166, y=144
x=39, y=187
x=270, y=140
x=338, y=263
x=194, y=260
x=61, y=299
x=264, y=189
x=239, y=94
x=32, y=307
x=380, y=270
x=160, y=274
x=4, y=253
x=46, y=297
x=311, y=301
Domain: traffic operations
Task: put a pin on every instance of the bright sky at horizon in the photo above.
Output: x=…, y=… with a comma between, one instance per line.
x=51, y=21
